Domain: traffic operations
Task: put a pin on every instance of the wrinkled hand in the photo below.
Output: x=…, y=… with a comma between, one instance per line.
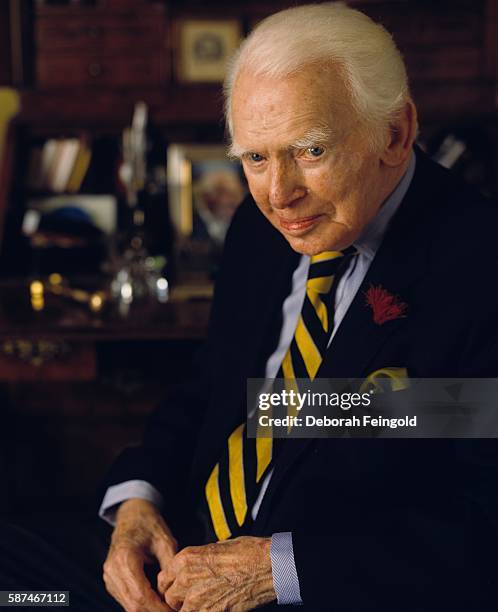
x=234, y=575
x=140, y=536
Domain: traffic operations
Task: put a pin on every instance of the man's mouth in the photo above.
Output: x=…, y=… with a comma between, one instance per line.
x=298, y=225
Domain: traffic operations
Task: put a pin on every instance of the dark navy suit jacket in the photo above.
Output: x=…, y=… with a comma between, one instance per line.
x=378, y=524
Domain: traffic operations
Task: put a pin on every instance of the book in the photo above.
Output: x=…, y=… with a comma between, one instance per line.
x=62, y=167
x=80, y=169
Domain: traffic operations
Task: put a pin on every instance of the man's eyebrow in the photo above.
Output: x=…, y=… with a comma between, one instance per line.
x=315, y=136
x=234, y=151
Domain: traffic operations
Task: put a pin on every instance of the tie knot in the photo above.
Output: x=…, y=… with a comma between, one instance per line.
x=323, y=268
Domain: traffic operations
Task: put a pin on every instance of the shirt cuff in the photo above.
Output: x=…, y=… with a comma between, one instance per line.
x=119, y=493
x=283, y=567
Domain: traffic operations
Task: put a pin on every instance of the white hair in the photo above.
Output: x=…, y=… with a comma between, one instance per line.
x=329, y=34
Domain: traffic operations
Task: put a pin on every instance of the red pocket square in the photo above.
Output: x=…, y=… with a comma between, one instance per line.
x=385, y=305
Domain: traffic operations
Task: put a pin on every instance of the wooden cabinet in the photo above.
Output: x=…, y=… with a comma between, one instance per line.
x=101, y=47
x=97, y=71
x=98, y=30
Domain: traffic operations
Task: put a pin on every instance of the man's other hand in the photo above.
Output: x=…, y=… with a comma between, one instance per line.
x=140, y=536
x=233, y=575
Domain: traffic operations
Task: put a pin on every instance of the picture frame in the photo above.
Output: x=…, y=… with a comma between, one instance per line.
x=188, y=167
x=205, y=188
x=204, y=48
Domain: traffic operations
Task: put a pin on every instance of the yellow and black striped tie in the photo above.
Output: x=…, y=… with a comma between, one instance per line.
x=235, y=481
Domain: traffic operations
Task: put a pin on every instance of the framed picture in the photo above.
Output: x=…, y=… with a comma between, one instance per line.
x=204, y=190
x=204, y=48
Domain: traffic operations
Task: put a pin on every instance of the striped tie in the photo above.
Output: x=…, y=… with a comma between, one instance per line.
x=235, y=481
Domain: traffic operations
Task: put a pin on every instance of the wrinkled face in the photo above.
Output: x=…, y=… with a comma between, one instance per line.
x=306, y=158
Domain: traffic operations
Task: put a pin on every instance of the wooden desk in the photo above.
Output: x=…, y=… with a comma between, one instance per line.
x=61, y=341
x=77, y=387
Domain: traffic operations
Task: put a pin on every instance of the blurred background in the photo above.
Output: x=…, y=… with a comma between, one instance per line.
x=115, y=195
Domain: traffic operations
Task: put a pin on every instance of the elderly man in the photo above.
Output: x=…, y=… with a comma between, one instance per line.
x=321, y=117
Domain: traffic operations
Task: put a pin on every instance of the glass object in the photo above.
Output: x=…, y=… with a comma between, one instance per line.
x=137, y=275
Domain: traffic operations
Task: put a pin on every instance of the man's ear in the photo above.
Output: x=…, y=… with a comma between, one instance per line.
x=402, y=133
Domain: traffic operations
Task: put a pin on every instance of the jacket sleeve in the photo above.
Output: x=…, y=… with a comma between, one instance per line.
x=163, y=458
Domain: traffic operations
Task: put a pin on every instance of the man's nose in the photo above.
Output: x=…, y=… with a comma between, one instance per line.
x=285, y=185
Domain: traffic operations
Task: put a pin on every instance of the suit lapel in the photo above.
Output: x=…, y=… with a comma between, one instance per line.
x=275, y=266
x=272, y=263
x=400, y=261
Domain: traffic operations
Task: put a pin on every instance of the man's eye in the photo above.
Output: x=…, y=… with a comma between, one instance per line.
x=315, y=151
x=255, y=157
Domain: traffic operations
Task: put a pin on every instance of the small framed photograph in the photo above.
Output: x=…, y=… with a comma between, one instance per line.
x=205, y=188
x=204, y=48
